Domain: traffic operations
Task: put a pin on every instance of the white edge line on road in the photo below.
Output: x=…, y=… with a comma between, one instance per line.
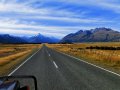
x=23, y=63
x=55, y=64
x=91, y=64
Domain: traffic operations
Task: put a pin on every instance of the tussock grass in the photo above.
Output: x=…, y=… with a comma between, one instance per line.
x=10, y=58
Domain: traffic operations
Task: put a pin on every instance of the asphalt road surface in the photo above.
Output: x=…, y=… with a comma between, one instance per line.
x=56, y=71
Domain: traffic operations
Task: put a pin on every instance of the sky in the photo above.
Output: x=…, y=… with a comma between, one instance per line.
x=57, y=18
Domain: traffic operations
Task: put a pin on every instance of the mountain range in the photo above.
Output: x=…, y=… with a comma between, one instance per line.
x=6, y=38
x=94, y=35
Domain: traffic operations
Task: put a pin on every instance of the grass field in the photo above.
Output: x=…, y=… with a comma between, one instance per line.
x=12, y=55
x=109, y=59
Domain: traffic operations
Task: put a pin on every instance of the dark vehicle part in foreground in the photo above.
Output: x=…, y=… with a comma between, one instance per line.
x=14, y=83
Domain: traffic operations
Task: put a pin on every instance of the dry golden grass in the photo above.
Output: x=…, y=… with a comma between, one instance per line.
x=5, y=60
x=12, y=55
x=106, y=58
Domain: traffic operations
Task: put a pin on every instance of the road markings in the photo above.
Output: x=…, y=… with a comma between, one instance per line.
x=23, y=63
x=48, y=53
x=55, y=64
x=90, y=64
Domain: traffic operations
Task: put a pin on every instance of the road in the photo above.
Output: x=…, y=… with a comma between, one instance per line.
x=57, y=71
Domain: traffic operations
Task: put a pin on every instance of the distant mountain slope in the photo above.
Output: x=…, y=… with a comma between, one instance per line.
x=93, y=35
x=6, y=38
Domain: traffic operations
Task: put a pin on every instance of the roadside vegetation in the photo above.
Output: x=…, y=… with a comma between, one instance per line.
x=11, y=55
x=105, y=54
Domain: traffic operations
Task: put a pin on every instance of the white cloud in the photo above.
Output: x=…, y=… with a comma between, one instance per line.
x=69, y=19
x=105, y=4
x=20, y=8
x=25, y=8
x=47, y=13
x=13, y=27
x=17, y=32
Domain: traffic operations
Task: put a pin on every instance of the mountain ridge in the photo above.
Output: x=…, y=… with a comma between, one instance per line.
x=8, y=39
x=93, y=35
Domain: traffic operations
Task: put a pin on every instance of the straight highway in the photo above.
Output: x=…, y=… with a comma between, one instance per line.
x=57, y=71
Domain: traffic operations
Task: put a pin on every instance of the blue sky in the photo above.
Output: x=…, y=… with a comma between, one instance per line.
x=57, y=17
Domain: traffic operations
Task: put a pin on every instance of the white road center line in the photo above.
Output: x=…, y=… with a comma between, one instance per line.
x=48, y=53
x=55, y=64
